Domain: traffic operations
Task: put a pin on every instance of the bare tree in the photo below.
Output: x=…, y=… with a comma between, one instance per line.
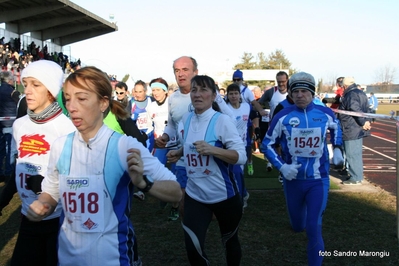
x=385, y=77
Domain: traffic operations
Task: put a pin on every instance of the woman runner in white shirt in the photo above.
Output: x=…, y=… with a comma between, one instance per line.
x=210, y=144
x=93, y=172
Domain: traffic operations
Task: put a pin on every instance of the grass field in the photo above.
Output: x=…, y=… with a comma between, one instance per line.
x=353, y=221
x=385, y=108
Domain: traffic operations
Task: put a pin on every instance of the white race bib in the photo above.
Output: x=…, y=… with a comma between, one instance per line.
x=197, y=165
x=306, y=142
x=82, y=199
x=142, y=121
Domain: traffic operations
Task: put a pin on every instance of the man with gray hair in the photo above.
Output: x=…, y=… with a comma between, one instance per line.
x=9, y=97
x=354, y=129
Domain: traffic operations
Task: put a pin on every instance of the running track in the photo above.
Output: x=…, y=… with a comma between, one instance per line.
x=379, y=155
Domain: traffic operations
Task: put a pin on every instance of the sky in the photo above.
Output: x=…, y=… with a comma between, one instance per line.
x=327, y=39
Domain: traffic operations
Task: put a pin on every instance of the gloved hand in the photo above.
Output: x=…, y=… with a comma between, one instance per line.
x=338, y=159
x=34, y=183
x=290, y=171
x=257, y=133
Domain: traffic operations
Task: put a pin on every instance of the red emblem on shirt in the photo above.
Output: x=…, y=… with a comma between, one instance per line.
x=207, y=172
x=89, y=224
x=33, y=144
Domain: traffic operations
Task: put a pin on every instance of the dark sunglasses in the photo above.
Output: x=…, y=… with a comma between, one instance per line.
x=120, y=93
x=236, y=80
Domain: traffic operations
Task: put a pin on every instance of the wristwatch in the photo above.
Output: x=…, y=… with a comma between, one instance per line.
x=149, y=182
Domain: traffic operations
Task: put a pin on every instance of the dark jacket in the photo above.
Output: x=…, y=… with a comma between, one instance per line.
x=353, y=100
x=8, y=103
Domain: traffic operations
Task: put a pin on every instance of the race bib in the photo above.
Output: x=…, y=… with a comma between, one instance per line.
x=197, y=165
x=82, y=199
x=306, y=142
x=142, y=121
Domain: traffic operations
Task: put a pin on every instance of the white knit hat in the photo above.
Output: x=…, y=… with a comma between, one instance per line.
x=47, y=72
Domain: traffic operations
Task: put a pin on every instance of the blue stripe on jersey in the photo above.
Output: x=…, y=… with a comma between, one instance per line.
x=64, y=162
x=118, y=187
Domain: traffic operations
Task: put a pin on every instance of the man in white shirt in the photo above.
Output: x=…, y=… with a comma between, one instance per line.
x=272, y=97
x=184, y=68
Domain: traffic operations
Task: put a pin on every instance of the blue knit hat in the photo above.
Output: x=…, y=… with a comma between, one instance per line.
x=238, y=75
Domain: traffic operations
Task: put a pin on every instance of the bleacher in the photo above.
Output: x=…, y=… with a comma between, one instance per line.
x=39, y=29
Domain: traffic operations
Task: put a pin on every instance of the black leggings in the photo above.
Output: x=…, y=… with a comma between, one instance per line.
x=36, y=243
x=197, y=217
x=264, y=126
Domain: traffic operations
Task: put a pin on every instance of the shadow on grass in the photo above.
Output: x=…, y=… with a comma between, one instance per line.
x=262, y=179
x=352, y=222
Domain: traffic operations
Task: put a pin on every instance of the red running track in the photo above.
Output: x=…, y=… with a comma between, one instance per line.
x=379, y=155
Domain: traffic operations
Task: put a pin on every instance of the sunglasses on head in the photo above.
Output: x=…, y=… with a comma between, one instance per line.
x=236, y=80
x=120, y=93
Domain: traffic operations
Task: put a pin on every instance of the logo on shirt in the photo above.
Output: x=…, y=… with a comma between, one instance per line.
x=32, y=169
x=77, y=183
x=294, y=121
x=89, y=224
x=33, y=144
x=207, y=172
x=192, y=148
x=306, y=132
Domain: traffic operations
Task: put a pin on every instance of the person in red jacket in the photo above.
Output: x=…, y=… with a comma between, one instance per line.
x=338, y=94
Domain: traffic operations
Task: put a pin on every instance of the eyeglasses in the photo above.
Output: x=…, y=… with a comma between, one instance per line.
x=235, y=80
x=120, y=93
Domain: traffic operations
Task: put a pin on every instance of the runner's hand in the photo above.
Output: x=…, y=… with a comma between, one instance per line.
x=290, y=171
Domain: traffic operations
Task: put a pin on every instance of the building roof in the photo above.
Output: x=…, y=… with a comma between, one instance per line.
x=59, y=20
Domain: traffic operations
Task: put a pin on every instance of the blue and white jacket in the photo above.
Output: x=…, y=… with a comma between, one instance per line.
x=302, y=135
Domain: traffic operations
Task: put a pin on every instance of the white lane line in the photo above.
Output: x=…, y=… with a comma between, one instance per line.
x=379, y=170
x=367, y=148
x=383, y=138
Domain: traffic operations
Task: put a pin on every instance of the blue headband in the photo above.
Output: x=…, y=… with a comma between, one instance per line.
x=159, y=85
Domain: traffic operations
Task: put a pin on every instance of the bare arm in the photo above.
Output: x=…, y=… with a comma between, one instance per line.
x=259, y=108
